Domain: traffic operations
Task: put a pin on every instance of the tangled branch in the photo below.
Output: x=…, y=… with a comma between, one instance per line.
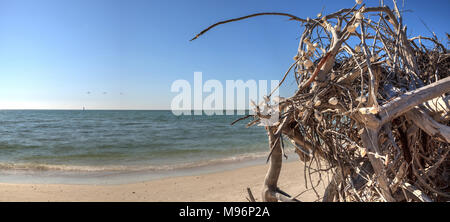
x=372, y=108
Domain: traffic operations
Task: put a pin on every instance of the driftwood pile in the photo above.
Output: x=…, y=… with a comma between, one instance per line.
x=372, y=108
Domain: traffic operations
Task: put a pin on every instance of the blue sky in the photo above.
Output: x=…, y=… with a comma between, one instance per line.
x=127, y=53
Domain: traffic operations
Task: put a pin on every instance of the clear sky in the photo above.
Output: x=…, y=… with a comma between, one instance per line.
x=125, y=54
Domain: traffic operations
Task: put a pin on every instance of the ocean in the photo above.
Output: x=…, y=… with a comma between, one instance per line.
x=101, y=146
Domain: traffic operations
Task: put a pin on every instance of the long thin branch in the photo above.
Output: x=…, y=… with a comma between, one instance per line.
x=292, y=17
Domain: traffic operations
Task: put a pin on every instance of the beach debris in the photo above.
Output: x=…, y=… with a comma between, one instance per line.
x=377, y=119
x=333, y=101
x=352, y=28
x=361, y=131
x=308, y=104
x=332, y=76
x=317, y=102
x=358, y=15
x=318, y=115
x=308, y=63
x=374, y=58
x=362, y=151
x=369, y=110
x=361, y=99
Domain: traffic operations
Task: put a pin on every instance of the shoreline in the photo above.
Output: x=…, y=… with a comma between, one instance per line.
x=56, y=174
x=223, y=186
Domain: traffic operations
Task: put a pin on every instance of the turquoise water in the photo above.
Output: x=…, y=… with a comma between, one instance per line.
x=81, y=142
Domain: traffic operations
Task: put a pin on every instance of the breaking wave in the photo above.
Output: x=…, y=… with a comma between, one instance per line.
x=128, y=168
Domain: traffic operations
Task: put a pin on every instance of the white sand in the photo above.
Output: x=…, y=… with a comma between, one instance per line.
x=226, y=186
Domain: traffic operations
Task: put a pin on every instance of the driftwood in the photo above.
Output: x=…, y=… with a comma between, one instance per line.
x=372, y=109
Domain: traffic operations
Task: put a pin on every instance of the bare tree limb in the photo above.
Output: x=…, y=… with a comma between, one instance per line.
x=428, y=124
x=404, y=103
x=292, y=17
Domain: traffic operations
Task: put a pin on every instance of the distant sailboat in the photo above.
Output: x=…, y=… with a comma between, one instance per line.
x=84, y=108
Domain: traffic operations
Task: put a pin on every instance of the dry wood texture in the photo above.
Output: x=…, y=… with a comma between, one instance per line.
x=373, y=111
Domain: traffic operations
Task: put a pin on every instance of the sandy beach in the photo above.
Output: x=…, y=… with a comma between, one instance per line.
x=227, y=186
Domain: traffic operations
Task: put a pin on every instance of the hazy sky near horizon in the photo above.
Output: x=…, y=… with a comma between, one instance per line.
x=125, y=54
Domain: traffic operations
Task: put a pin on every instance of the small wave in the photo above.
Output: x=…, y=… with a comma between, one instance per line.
x=128, y=168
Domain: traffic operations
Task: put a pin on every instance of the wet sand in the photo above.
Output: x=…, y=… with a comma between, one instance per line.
x=227, y=186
